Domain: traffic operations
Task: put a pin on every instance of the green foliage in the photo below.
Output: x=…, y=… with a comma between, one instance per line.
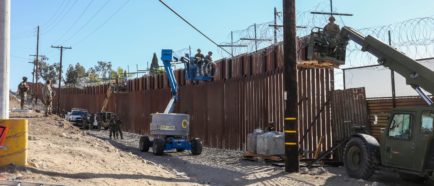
x=104, y=69
x=75, y=75
x=49, y=72
x=92, y=75
x=155, y=68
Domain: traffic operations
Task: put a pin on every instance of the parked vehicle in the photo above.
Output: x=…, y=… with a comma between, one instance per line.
x=76, y=116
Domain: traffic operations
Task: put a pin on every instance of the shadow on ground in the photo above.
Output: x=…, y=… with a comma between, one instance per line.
x=380, y=178
x=198, y=173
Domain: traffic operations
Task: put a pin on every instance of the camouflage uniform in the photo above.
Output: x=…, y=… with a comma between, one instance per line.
x=199, y=56
x=22, y=91
x=115, y=128
x=331, y=31
x=47, y=92
x=208, y=58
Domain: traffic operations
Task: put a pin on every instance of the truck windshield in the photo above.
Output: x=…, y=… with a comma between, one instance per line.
x=76, y=112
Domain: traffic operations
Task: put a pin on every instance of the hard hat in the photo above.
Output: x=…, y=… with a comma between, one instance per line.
x=198, y=49
x=24, y=78
x=331, y=18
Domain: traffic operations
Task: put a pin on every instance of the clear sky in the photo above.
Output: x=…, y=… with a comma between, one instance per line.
x=129, y=32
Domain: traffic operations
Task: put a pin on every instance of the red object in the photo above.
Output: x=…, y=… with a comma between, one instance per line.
x=3, y=133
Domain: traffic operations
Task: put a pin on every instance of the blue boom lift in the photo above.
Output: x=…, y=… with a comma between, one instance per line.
x=170, y=131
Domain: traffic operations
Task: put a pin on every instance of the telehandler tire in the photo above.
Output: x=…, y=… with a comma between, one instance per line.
x=359, y=159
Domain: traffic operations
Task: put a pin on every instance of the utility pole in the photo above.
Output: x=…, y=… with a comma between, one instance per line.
x=36, y=66
x=275, y=25
x=290, y=86
x=60, y=74
x=5, y=13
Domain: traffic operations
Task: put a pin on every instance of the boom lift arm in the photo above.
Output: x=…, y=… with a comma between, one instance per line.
x=416, y=75
x=166, y=57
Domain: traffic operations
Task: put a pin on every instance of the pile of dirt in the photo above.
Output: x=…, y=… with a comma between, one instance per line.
x=60, y=153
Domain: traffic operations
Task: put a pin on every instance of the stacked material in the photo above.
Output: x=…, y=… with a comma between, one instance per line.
x=252, y=140
x=271, y=143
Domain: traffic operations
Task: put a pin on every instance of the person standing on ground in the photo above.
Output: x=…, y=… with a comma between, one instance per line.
x=115, y=128
x=118, y=127
x=47, y=94
x=23, y=88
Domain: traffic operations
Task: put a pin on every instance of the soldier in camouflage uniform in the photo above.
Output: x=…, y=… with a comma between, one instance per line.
x=115, y=128
x=47, y=92
x=23, y=87
x=331, y=31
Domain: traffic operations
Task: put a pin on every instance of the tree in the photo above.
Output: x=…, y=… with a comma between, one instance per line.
x=81, y=71
x=49, y=72
x=92, y=75
x=75, y=75
x=104, y=69
x=154, y=65
x=71, y=76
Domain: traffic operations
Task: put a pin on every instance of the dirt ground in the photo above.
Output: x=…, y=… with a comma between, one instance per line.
x=61, y=154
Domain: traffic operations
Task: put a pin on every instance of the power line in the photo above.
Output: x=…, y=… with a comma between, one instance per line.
x=76, y=20
x=48, y=23
x=105, y=22
x=60, y=17
x=88, y=21
x=204, y=35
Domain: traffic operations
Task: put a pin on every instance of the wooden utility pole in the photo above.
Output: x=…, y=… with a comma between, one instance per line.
x=36, y=65
x=60, y=75
x=290, y=86
x=275, y=24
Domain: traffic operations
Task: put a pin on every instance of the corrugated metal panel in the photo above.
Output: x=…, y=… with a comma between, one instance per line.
x=246, y=94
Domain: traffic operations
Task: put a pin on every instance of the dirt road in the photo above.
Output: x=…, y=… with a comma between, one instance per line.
x=62, y=154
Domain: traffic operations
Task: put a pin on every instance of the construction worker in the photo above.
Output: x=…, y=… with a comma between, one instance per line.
x=208, y=58
x=47, y=94
x=23, y=88
x=332, y=29
x=199, y=56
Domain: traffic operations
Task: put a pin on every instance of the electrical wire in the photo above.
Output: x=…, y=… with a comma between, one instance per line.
x=191, y=25
x=60, y=18
x=104, y=23
x=88, y=21
x=76, y=20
